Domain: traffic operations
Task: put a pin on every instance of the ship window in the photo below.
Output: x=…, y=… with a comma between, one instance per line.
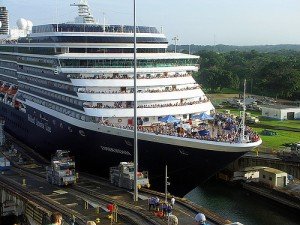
x=184, y=116
x=146, y=119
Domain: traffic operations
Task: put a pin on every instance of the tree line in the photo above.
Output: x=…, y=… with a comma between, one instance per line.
x=274, y=74
x=229, y=48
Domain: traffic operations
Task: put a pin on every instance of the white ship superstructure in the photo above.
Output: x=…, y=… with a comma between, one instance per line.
x=75, y=81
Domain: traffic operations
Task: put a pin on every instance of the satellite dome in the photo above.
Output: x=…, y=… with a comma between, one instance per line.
x=29, y=25
x=22, y=24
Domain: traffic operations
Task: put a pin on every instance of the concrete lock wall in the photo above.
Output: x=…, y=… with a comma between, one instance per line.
x=13, y=204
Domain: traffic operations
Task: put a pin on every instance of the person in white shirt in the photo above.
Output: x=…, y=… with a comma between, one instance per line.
x=172, y=202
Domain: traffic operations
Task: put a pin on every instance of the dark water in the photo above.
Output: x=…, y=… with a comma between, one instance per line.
x=239, y=205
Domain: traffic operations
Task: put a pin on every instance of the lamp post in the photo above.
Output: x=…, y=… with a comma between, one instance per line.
x=175, y=39
x=135, y=195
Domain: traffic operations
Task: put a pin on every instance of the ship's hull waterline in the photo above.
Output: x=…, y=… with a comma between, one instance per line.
x=96, y=151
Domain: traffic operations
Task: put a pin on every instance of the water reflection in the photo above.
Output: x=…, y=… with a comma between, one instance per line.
x=236, y=204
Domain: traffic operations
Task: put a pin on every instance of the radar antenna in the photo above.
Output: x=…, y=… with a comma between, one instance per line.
x=84, y=13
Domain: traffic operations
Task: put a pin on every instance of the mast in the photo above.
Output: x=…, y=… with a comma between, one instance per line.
x=244, y=112
x=135, y=196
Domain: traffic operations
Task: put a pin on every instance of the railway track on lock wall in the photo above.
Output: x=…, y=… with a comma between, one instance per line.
x=184, y=203
x=127, y=211
x=213, y=218
x=40, y=199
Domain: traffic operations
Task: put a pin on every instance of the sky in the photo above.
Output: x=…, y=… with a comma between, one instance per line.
x=202, y=22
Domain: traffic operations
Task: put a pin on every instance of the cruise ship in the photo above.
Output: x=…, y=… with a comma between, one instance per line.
x=71, y=86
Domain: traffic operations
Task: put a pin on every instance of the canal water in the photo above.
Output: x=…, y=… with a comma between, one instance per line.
x=239, y=205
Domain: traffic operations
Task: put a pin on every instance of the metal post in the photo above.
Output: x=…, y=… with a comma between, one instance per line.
x=244, y=112
x=104, y=29
x=175, y=39
x=166, y=184
x=135, y=196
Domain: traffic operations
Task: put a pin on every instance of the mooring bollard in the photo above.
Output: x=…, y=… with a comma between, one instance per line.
x=24, y=182
x=86, y=205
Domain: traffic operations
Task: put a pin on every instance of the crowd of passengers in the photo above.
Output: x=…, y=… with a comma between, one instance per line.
x=120, y=76
x=223, y=128
x=8, y=41
x=120, y=105
x=140, y=91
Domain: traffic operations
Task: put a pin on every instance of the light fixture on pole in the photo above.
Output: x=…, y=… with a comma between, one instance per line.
x=135, y=195
x=175, y=39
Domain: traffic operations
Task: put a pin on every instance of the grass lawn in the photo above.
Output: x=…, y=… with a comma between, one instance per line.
x=280, y=123
x=277, y=141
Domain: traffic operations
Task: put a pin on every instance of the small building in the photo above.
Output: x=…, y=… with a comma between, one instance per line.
x=281, y=112
x=273, y=177
x=248, y=174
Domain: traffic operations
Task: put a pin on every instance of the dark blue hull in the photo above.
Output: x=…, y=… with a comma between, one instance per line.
x=95, y=152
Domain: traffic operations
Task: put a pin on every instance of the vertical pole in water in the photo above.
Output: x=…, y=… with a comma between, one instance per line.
x=166, y=184
x=135, y=196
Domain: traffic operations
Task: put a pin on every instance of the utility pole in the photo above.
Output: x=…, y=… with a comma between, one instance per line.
x=166, y=184
x=175, y=39
x=244, y=112
x=136, y=195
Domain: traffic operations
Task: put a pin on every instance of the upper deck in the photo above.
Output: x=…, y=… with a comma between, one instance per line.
x=94, y=28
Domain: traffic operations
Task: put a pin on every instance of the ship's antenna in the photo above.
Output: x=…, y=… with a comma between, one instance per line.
x=244, y=112
x=136, y=194
x=104, y=29
x=57, y=16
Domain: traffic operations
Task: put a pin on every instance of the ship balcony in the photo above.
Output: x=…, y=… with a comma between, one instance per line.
x=148, y=112
x=145, y=96
x=104, y=70
x=129, y=82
